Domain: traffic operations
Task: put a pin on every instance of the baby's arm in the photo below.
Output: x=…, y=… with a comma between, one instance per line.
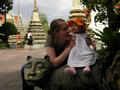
x=93, y=45
x=91, y=42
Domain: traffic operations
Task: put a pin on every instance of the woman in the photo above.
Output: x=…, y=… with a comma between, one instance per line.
x=59, y=43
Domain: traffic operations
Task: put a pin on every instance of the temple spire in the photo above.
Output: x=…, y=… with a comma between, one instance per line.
x=77, y=4
x=18, y=9
x=36, y=28
x=77, y=9
x=35, y=6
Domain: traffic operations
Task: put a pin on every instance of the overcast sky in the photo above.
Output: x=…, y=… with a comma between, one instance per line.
x=52, y=8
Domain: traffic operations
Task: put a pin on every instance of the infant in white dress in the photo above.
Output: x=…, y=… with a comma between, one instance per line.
x=80, y=55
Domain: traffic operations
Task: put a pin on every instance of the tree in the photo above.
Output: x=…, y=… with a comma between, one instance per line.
x=108, y=10
x=8, y=29
x=44, y=21
x=5, y=6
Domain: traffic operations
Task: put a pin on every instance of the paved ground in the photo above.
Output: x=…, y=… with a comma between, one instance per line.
x=11, y=61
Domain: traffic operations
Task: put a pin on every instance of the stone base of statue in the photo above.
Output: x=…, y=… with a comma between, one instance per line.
x=60, y=80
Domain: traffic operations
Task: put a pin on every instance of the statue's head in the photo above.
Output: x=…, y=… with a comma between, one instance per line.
x=37, y=70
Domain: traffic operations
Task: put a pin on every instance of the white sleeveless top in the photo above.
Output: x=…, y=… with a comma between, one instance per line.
x=29, y=34
x=81, y=55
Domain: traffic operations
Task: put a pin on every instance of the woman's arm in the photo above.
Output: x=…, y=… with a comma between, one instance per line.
x=56, y=61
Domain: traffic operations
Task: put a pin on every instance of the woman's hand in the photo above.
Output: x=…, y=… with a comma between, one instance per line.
x=72, y=41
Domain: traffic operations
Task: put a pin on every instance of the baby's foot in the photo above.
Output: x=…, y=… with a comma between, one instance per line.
x=70, y=70
x=86, y=69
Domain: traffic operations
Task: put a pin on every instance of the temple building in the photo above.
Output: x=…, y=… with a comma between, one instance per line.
x=36, y=28
x=10, y=17
x=34, y=25
x=2, y=19
x=18, y=22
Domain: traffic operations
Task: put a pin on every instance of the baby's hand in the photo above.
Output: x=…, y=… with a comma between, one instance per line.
x=94, y=47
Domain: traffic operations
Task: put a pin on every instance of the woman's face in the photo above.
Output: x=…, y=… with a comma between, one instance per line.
x=63, y=34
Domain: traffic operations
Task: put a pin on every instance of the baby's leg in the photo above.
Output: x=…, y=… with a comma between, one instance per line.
x=70, y=70
x=86, y=69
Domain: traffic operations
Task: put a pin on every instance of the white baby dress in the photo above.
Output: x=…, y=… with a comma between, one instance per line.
x=81, y=55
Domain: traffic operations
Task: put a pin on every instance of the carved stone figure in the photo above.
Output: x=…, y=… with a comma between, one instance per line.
x=37, y=71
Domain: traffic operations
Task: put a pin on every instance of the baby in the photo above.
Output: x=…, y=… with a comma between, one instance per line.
x=81, y=55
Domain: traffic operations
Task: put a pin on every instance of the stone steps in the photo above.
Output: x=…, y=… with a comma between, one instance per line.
x=39, y=38
x=38, y=34
x=37, y=31
x=39, y=41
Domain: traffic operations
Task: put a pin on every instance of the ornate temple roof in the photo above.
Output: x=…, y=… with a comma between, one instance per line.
x=10, y=17
x=35, y=14
x=2, y=19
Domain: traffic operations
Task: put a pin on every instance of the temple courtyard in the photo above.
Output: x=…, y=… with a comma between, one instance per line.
x=11, y=61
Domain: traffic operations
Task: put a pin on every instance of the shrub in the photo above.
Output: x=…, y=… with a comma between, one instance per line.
x=110, y=38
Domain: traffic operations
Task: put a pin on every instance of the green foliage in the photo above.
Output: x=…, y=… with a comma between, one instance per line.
x=44, y=22
x=5, y=6
x=110, y=37
x=8, y=29
x=106, y=12
x=1, y=37
x=3, y=45
x=43, y=18
x=101, y=16
x=46, y=27
x=93, y=3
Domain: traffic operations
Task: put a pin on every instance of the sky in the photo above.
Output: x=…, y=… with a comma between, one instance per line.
x=52, y=8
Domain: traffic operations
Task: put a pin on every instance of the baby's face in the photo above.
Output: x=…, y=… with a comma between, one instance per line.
x=77, y=29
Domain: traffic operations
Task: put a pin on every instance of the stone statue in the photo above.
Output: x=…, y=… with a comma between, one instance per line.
x=37, y=71
x=60, y=80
